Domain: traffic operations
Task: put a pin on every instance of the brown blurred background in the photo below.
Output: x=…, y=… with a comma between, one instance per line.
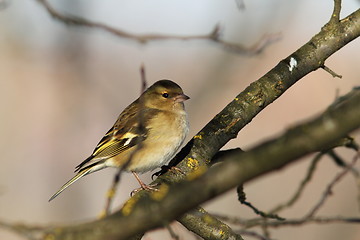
x=62, y=87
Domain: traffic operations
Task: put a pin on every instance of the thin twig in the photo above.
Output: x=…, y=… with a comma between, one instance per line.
x=143, y=78
x=329, y=188
x=357, y=182
x=172, y=232
x=213, y=36
x=253, y=234
x=320, y=220
x=335, y=16
x=261, y=213
x=256, y=48
x=111, y=192
x=304, y=182
x=265, y=229
x=340, y=162
x=240, y=4
x=250, y=223
x=334, y=74
x=337, y=159
x=242, y=200
x=140, y=117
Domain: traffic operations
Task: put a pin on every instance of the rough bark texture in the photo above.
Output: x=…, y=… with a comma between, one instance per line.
x=150, y=210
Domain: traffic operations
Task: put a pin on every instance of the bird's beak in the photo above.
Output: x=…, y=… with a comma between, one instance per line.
x=181, y=98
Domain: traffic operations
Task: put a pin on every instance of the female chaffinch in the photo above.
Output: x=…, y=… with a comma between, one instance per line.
x=146, y=135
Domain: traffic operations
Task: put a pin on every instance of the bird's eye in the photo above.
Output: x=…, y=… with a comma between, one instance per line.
x=165, y=95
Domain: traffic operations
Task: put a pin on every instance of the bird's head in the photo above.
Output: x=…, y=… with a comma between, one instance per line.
x=164, y=95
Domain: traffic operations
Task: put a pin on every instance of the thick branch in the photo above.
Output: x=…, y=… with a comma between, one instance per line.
x=151, y=210
x=149, y=213
x=245, y=106
x=207, y=226
x=146, y=213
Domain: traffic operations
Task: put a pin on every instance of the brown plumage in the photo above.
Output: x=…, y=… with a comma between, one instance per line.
x=156, y=120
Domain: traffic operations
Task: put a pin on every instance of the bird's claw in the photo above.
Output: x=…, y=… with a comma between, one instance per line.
x=146, y=188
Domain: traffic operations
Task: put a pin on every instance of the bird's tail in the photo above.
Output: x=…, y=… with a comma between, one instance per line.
x=83, y=172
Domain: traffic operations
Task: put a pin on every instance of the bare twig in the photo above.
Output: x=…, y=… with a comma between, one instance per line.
x=329, y=188
x=335, y=16
x=246, y=223
x=172, y=232
x=309, y=218
x=146, y=213
x=320, y=220
x=265, y=229
x=337, y=159
x=242, y=200
x=143, y=78
x=258, y=47
x=253, y=234
x=340, y=162
x=334, y=74
x=213, y=36
x=111, y=192
x=357, y=182
x=240, y=4
x=302, y=185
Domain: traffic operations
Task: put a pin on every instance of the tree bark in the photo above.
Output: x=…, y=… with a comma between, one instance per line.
x=146, y=211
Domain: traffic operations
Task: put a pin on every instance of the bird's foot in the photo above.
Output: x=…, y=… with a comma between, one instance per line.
x=150, y=188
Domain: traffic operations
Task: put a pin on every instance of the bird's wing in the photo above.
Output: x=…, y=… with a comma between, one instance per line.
x=125, y=134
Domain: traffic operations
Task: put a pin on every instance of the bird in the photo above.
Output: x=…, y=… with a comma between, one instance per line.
x=145, y=136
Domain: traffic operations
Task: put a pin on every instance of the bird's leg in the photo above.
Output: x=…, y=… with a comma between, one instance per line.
x=142, y=184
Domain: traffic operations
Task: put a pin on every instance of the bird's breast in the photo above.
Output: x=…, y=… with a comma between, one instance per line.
x=163, y=141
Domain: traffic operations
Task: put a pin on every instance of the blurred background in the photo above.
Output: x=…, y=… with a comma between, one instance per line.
x=62, y=87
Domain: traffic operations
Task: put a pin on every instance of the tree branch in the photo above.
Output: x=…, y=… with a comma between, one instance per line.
x=245, y=106
x=145, y=211
x=302, y=185
x=329, y=188
x=334, y=74
x=335, y=16
x=207, y=226
x=213, y=36
x=149, y=210
x=287, y=222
